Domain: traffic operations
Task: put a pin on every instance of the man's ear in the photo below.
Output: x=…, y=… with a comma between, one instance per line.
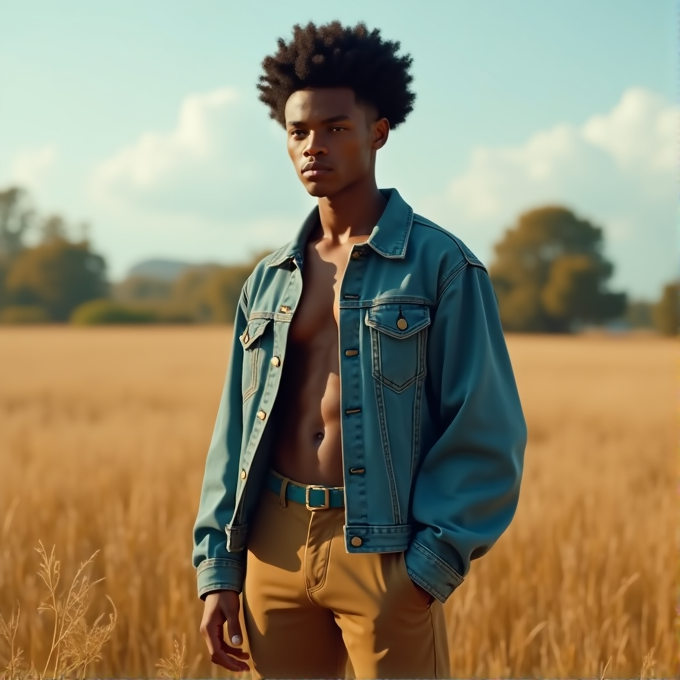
x=381, y=131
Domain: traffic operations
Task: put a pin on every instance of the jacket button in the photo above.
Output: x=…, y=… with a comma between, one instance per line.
x=246, y=337
x=276, y=361
x=351, y=352
x=402, y=324
x=356, y=255
x=244, y=474
x=356, y=541
x=261, y=415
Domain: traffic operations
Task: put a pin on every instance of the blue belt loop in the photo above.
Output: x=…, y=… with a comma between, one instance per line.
x=282, y=494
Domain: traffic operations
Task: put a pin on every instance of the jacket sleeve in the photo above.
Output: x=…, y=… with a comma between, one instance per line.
x=217, y=567
x=467, y=487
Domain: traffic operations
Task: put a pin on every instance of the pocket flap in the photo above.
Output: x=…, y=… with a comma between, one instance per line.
x=253, y=331
x=398, y=321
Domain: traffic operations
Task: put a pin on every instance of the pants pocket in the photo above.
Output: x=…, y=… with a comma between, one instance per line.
x=410, y=585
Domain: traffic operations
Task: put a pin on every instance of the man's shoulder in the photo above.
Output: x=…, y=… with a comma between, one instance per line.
x=432, y=238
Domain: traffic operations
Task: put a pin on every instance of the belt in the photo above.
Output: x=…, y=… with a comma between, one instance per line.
x=312, y=496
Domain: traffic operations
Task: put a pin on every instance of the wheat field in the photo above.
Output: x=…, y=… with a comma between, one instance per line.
x=103, y=434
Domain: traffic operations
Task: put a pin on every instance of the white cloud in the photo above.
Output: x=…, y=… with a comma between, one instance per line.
x=218, y=186
x=615, y=169
x=639, y=133
x=29, y=167
x=215, y=164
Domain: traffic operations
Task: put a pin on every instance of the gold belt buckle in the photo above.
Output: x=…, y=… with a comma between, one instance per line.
x=326, y=498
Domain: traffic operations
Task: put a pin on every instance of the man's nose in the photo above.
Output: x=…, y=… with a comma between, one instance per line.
x=315, y=147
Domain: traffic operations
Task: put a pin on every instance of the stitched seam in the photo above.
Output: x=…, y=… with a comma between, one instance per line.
x=426, y=552
x=329, y=543
x=469, y=256
x=217, y=562
x=449, y=278
x=413, y=330
x=254, y=361
x=434, y=642
x=380, y=399
x=424, y=585
x=397, y=388
x=417, y=399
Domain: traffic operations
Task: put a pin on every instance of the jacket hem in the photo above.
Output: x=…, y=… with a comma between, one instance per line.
x=430, y=572
x=219, y=574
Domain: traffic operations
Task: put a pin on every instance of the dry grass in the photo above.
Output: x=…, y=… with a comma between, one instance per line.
x=103, y=435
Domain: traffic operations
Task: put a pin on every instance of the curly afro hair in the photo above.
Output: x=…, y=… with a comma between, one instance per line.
x=336, y=56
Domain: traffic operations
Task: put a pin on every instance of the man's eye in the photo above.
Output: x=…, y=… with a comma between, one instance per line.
x=297, y=133
x=337, y=128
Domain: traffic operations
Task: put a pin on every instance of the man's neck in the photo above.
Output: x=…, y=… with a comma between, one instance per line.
x=351, y=213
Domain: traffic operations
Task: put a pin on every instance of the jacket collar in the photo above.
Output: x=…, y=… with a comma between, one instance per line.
x=389, y=237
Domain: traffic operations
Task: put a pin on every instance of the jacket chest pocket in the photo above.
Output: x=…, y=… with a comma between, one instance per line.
x=398, y=343
x=253, y=353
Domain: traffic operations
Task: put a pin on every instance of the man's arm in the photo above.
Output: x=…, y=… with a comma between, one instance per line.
x=467, y=487
x=220, y=572
x=217, y=568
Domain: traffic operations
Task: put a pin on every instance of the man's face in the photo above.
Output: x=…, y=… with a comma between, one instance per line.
x=331, y=139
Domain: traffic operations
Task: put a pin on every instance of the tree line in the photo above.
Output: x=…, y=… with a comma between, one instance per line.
x=549, y=272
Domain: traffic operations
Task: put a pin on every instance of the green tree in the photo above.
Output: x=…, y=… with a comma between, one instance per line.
x=639, y=314
x=550, y=273
x=221, y=290
x=17, y=217
x=666, y=312
x=188, y=292
x=136, y=287
x=16, y=220
x=210, y=293
x=57, y=275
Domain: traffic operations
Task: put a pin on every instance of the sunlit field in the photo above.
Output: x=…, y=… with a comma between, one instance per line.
x=103, y=434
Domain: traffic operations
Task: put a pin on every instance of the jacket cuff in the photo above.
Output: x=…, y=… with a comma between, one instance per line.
x=429, y=571
x=219, y=573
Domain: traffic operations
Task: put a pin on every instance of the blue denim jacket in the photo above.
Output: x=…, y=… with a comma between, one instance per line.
x=433, y=434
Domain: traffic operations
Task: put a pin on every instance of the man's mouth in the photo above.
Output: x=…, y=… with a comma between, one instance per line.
x=315, y=169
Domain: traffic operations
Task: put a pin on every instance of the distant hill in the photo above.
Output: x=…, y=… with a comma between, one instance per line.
x=167, y=270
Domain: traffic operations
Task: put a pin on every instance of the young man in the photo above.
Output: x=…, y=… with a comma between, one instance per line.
x=369, y=442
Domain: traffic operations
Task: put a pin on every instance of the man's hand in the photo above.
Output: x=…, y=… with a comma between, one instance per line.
x=223, y=606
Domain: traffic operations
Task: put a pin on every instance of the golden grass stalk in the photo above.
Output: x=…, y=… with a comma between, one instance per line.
x=75, y=644
x=15, y=668
x=172, y=666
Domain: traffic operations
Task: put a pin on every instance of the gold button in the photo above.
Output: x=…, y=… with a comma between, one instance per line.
x=402, y=324
x=243, y=474
x=246, y=337
x=356, y=541
x=351, y=352
x=276, y=361
x=285, y=309
x=261, y=415
x=356, y=255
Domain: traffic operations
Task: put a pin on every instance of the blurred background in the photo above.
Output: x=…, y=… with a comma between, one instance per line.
x=140, y=181
x=138, y=166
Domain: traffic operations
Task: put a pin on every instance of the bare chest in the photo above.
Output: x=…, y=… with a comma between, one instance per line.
x=317, y=314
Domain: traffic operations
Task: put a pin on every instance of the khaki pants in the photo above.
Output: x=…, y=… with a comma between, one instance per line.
x=312, y=610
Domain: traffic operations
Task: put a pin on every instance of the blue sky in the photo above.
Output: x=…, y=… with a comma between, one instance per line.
x=142, y=119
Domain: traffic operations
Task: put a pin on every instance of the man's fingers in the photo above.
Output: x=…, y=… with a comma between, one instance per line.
x=220, y=651
x=234, y=625
x=234, y=637
x=221, y=659
x=234, y=651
